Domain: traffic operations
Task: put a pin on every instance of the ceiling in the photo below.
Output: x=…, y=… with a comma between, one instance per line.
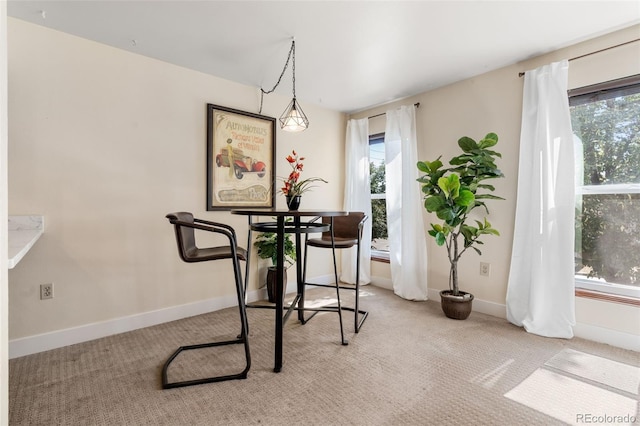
x=350, y=55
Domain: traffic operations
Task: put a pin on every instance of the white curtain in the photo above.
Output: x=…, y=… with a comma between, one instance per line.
x=357, y=197
x=405, y=226
x=540, y=294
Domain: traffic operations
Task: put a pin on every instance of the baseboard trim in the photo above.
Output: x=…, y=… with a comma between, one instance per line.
x=84, y=333
x=382, y=282
x=482, y=306
x=70, y=336
x=615, y=338
x=584, y=331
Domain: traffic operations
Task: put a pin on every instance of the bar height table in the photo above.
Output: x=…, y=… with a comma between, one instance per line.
x=281, y=227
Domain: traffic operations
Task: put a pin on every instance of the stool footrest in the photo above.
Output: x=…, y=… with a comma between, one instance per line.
x=362, y=314
x=170, y=385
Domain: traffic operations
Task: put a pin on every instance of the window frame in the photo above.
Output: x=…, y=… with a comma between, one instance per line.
x=378, y=255
x=586, y=287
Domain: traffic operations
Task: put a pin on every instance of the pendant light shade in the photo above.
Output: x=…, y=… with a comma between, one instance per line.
x=293, y=118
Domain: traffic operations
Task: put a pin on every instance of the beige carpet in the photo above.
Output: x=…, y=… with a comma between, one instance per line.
x=601, y=370
x=408, y=365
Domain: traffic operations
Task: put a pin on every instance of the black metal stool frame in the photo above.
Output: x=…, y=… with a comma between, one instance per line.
x=229, y=232
x=359, y=315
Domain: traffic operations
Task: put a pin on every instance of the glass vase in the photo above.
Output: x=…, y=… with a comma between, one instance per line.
x=293, y=202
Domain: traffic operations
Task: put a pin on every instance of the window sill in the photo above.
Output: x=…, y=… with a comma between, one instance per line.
x=607, y=297
x=380, y=256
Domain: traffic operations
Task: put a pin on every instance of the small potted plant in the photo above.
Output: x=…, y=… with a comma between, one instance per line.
x=266, y=244
x=452, y=194
x=293, y=187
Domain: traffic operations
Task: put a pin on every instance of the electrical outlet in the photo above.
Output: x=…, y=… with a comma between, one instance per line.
x=485, y=269
x=46, y=291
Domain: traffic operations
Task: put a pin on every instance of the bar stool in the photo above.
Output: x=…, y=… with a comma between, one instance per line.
x=185, y=226
x=345, y=233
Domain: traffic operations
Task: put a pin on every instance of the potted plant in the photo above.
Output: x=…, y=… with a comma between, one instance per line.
x=266, y=244
x=452, y=194
x=293, y=187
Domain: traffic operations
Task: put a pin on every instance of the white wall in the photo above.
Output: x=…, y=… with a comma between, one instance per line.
x=104, y=143
x=492, y=102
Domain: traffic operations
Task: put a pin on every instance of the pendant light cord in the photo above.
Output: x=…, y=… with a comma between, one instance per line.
x=263, y=92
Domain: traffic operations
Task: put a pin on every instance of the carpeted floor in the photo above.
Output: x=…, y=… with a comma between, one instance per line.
x=408, y=365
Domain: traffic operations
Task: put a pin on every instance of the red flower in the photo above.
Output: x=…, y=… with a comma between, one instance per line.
x=291, y=184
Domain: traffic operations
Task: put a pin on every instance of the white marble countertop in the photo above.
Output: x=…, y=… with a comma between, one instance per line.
x=24, y=231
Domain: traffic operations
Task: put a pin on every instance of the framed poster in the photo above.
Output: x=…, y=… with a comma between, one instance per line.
x=240, y=159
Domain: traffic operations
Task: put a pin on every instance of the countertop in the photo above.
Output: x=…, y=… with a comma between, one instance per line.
x=24, y=231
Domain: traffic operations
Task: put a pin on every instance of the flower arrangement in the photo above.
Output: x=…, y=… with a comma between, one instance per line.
x=292, y=185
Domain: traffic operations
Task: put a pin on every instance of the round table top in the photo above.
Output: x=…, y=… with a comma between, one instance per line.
x=285, y=212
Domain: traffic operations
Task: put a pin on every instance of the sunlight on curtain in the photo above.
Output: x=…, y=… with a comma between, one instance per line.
x=407, y=239
x=540, y=293
x=357, y=197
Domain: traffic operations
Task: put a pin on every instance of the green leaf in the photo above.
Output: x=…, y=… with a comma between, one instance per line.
x=486, y=186
x=465, y=198
x=443, y=184
x=434, y=203
x=494, y=153
x=447, y=214
x=467, y=232
x=450, y=185
x=488, y=197
x=490, y=140
x=460, y=159
x=491, y=136
x=440, y=239
x=467, y=144
x=429, y=167
x=435, y=165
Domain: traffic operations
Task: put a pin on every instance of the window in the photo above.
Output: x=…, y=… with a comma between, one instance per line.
x=606, y=122
x=379, y=242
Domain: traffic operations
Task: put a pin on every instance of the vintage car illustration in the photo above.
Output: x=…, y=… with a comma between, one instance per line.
x=241, y=163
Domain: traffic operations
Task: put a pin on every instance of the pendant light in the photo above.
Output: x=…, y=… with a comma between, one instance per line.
x=293, y=119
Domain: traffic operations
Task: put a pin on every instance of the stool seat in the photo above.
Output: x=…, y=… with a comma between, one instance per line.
x=340, y=243
x=195, y=254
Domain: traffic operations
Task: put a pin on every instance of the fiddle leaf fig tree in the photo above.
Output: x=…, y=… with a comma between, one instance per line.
x=453, y=193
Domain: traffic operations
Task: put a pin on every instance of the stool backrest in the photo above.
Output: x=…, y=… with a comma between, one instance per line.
x=185, y=236
x=344, y=226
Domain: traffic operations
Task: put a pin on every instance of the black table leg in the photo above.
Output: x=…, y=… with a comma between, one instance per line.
x=299, y=278
x=279, y=296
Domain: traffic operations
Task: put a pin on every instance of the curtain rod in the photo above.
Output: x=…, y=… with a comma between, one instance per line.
x=520, y=74
x=417, y=105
